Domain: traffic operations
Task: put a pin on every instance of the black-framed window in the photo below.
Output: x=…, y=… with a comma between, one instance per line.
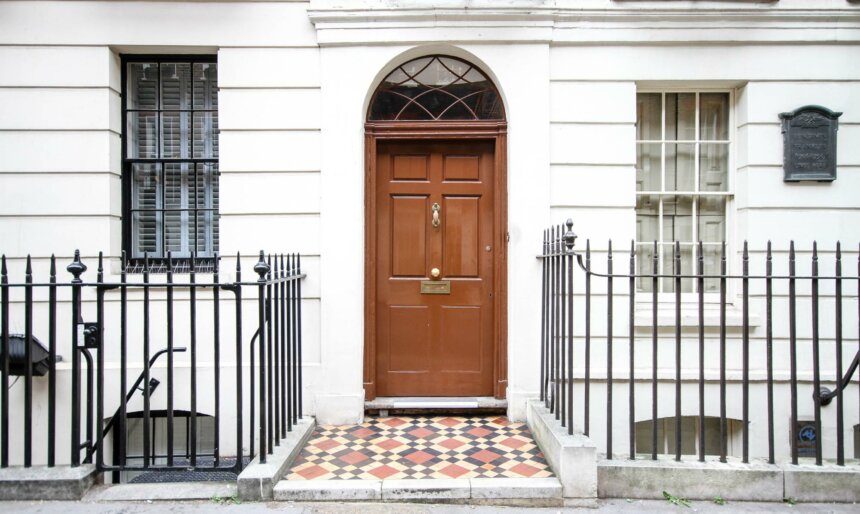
x=170, y=157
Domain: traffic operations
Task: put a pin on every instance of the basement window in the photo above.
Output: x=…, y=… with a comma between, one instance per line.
x=689, y=436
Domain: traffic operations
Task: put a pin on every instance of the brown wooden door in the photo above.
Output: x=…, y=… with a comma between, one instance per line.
x=435, y=344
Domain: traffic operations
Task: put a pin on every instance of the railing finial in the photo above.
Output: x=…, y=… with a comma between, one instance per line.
x=77, y=267
x=569, y=237
x=262, y=268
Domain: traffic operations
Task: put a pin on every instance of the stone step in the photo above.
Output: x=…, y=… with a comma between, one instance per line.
x=434, y=403
x=544, y=491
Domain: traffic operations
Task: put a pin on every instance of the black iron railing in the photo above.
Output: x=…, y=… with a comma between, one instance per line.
x=568, y=386
x=137, y=321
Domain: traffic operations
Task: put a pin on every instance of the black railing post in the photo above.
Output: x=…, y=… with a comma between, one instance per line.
x=769, y=335
x=792, y=342
x=121, y=436
x=240, y=414
x=700, y=287
x=654, y=288
x=631, y=286
x=297, y=327
x=28, y=359
x=269, y=357
x=553, y=331
x=746, y=355
x=147, y=390
x=216, y=372
x=261, y=268
x=677, y=272
x=569, y=242
x=609, y=322
x=76, y=268
x=100, y=367
x=170, y=388
x=52, y=371
x=4, y=365
x=587, y=385
x=723, y=423
x=543, y=342
x=192, y=415
x=816, y=372
x=840, y=437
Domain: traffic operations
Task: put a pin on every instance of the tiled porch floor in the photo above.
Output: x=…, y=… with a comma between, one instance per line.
x=421, y=447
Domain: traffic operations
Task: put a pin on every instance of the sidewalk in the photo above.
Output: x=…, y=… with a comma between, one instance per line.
x=607, y=506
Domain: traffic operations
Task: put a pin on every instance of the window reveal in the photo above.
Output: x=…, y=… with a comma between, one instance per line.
x=682, y=182
x=171, y=156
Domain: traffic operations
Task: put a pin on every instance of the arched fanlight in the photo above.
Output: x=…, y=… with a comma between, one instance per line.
x=436, y=88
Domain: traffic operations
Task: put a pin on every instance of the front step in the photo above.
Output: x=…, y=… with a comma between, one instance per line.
x=501, y=491
x=448, y=404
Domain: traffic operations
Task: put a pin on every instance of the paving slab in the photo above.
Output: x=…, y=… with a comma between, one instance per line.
x=258, y=479
x=44, y=483
x=513, y=488
x=829, y=482
x=434, y=489
x=328, y=490
x=647, y=479
x=173, y=491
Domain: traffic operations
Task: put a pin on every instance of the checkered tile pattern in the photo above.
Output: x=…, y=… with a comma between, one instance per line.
x=420, y=447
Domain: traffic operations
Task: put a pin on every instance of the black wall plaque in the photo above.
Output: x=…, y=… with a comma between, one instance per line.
x=809, y=143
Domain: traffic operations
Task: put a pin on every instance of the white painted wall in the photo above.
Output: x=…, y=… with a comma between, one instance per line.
x=295, y=79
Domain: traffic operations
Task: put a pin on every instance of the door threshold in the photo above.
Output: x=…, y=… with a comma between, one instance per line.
x=417, y=403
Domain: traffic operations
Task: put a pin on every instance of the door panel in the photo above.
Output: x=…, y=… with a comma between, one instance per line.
x=435, y=344
x=462, y=234
x=408, y=235
x=409, y=323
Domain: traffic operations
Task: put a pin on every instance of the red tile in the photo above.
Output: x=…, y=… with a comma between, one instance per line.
x=524, y=469
x=486, y=456
x=449, y=422
x=383, y=471
x=362, y=432
x=393, y=422
x=419, y=457
x=389, y=444
x=312, y=472
x=326, y=444
x=479, y=432
x=451, y=444
x=503, y=421
x=514, y=443
x=453, y=471
x=354, y=457
x=420, y=432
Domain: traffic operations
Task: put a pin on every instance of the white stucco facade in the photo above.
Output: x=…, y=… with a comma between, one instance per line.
x=296, y=78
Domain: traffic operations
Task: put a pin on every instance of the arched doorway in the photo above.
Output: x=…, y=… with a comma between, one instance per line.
x=435, y=225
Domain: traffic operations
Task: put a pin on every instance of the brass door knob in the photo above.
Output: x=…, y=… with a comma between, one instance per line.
x=435, y=272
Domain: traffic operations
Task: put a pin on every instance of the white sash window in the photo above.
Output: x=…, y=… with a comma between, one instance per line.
x=683, y=143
